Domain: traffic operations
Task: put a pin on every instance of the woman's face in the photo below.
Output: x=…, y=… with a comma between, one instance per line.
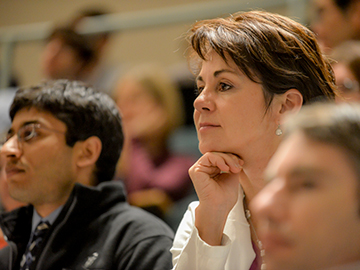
x=230, y=113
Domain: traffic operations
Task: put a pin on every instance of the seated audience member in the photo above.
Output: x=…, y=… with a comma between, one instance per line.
x=152, y=109
x=308, y=215
x=252, y=69
x=346, y=66
x=64, y=134
x=74, y=56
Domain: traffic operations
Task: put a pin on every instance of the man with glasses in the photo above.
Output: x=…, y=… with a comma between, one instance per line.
x=62, y=148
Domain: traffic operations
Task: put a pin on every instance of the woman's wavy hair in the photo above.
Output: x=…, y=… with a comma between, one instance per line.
x=269, y=49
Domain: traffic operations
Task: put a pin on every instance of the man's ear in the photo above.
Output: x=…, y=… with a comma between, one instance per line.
x=88, y=151
x=291, y=102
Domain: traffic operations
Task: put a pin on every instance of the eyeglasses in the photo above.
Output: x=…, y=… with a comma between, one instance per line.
x=28, y=132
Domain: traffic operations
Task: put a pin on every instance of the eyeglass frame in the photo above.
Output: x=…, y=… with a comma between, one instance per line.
x=33, y=134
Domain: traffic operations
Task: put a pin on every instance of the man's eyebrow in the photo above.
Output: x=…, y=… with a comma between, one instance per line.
x=30, y=122
x=217, y=73
x=295, y=172
x=11, y=130
x=305, y=170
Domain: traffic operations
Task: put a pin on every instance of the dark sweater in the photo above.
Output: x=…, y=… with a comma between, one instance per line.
x=96, y=229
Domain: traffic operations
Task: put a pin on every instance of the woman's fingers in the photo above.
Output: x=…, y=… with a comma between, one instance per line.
x=214, y=163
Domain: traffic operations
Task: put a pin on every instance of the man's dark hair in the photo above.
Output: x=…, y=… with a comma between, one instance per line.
x=84, y=111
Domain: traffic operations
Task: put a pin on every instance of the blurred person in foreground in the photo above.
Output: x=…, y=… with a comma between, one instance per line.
x=252, y=68
x=308, y=214
x=60, y=153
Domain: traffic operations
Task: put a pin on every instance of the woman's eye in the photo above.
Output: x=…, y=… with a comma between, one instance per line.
x=224, y=87
x=198, y=90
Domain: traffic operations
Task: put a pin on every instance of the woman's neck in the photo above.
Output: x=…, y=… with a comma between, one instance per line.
x=252, y=175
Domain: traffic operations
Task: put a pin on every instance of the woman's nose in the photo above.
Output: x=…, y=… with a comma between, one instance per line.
x=204, y=101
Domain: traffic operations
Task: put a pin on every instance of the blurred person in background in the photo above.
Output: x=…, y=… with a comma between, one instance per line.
x=152, y=109
x=74, y=56
x=346, y=66
x=308, y=214
x=335, y=21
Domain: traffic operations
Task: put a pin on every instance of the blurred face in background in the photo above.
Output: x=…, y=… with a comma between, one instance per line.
x=347, y=83
x=331, y=24
x=143, y=116
x=308, y=213
x=60, y=61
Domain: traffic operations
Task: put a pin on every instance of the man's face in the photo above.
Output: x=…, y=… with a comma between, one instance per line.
x=331, y=25
x=39, y=170
x=308, y=214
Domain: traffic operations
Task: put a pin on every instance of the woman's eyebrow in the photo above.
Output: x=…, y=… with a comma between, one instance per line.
x=217, y=73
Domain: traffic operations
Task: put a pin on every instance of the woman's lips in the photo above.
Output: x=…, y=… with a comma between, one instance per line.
x=205, y=126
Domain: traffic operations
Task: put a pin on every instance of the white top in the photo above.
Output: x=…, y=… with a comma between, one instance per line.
x=189, y=251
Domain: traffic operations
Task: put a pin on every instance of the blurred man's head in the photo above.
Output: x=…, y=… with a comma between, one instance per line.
x=69, y=54
x=308, y=215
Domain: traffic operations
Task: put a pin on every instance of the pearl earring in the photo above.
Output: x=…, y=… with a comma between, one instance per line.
x=278, y=131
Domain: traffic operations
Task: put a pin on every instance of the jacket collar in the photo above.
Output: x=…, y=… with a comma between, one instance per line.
x=83, y=204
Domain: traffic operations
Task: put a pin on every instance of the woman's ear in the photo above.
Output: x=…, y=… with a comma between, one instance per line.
x=291, y=102
x=88, y=151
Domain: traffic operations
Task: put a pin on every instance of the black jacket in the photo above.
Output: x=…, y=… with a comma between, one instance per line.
x=96, y=229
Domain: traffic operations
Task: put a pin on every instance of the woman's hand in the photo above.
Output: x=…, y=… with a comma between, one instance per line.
x=216, y=180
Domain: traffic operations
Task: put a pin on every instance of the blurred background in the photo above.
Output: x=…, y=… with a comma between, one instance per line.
x=143, y=30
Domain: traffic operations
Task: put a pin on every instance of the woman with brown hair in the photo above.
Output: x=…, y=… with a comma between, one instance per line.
x=252, y=69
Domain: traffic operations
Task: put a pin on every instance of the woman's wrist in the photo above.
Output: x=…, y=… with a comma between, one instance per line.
x=210, y=223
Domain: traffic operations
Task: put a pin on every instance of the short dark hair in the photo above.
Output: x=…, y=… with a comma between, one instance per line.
x=270, y=49
x=85, y=112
